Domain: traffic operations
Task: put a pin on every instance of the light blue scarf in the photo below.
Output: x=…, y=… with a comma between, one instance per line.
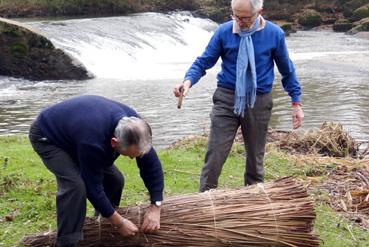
x=246, y=72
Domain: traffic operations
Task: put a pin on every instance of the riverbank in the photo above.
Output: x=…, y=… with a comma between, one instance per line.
x=27, y=188
x=301, y=14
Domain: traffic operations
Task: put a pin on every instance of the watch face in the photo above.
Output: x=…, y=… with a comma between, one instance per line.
x=158, y=203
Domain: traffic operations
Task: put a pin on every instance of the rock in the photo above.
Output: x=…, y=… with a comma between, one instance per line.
x=310, y=18
x=354, y=4
x=287, y=28
x=28, y=54
x=361, y=13
x=360, y=26
x=342, y=25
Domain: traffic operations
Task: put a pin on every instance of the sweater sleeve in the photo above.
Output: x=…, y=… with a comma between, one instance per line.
x=287, y=69
x=91, y=160
x=152, y=174
x=207, y=60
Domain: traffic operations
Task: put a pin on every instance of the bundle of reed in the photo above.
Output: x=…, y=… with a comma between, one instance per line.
x=278, y=213
x=330, y=139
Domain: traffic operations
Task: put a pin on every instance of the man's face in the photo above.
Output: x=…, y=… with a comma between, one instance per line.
x=243, y=14
x=132, y=152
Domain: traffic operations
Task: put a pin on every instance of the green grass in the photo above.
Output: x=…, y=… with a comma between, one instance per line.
x=337, y=231
x=27, y=188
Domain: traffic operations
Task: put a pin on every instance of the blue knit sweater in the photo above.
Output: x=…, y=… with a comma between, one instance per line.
x=83, y=126
x=269, y=45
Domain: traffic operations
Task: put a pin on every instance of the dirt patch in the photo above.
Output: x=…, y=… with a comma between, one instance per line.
x=348, y=190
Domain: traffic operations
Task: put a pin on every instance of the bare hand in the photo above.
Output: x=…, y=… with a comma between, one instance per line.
x=124, y=226
x=128, y=229
x=183, y=87
x=297, y=117
x=151, y=221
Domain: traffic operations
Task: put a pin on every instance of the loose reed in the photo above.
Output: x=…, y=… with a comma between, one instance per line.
x=330, y=140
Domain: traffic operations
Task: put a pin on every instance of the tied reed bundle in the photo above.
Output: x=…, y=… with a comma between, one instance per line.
x=277, y=213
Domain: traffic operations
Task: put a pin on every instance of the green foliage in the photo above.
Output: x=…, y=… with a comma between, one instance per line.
x=27, y=188
x=10, y=31
x=18, y=49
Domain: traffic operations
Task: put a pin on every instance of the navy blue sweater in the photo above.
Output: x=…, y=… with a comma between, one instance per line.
x=83, y=126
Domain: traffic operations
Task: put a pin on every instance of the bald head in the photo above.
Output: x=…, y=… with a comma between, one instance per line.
x=252, y=5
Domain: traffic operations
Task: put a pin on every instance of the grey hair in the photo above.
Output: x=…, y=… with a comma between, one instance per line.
x=133, y=131
x=256, y=5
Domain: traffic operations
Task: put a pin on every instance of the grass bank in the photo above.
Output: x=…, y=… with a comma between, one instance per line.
x=27, y=188
x=28, y=8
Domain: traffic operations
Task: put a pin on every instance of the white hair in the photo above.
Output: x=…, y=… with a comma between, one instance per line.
x=256, y=5
x=133, y=131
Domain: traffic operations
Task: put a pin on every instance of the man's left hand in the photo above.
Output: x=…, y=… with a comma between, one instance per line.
x=297, y=116
x=151, y=221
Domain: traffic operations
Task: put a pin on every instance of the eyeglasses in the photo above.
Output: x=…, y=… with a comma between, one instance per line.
x=243, y=18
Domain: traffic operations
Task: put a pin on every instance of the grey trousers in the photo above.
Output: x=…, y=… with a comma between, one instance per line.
x=223, y=129
x=71, y=191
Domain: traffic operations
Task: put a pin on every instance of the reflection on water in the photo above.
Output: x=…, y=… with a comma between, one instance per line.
x=333, y=69
x=152, y=99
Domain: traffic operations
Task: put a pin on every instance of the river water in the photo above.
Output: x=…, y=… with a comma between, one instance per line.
x=137, y=59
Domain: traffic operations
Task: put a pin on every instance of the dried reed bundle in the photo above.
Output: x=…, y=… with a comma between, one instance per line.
x=330, y=139
x=277, y=213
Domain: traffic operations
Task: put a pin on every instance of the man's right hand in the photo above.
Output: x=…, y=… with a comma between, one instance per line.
x=183, y=87
x=128, y=229
x=124, y=226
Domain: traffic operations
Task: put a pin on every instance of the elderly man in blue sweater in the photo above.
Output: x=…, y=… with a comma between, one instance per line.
x=249, y=46
x=78, y=140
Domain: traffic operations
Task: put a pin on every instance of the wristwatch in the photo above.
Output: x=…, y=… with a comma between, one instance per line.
x=156, y=203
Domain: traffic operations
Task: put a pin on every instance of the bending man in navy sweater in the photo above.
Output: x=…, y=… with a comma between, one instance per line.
x=249, y=46
x=78, y=140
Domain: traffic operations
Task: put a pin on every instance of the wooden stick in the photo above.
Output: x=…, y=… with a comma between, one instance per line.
x=180, y=98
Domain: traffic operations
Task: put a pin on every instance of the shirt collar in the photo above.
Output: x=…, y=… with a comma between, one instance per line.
x=261, y=26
